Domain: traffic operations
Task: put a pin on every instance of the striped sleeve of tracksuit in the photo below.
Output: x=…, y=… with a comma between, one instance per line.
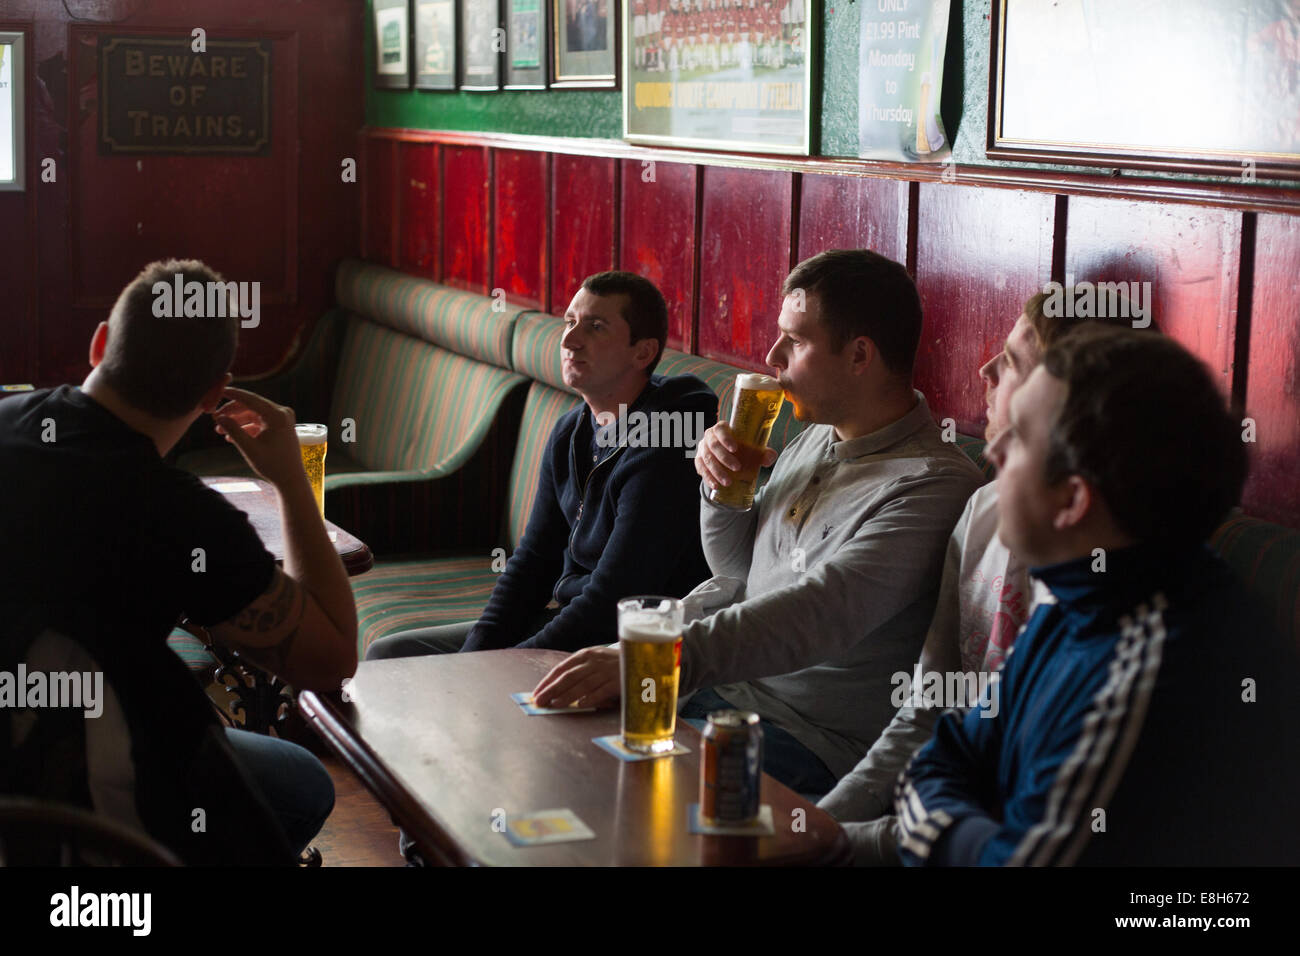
x=1020, y=787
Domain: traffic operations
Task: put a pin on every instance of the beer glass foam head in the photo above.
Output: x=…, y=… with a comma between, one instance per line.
x=650, y=618
x=311, y=434
x=649, y=631
x=754, y=382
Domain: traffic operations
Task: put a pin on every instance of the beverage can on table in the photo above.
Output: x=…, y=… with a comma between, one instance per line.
x=731, y=767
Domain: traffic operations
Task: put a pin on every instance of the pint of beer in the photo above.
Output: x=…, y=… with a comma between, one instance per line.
x=650, y=654
x=755, y=404
x=312, y=443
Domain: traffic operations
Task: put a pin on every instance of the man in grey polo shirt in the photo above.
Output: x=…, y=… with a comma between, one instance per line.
x=824, y=589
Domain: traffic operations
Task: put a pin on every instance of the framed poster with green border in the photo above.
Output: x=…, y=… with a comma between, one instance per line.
x=392, y=44
x=585, y=40
x=526, y=46
x=434, y=59
x=481, y=43
x=731, y=78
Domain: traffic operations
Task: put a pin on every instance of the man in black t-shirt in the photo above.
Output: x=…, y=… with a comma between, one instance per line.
x=105, y=544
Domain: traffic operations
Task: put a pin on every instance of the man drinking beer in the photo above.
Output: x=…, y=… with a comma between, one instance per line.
x=823, y=589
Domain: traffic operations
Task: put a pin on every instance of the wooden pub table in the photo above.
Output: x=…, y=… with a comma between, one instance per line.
x=257, y=499
x=440, y=743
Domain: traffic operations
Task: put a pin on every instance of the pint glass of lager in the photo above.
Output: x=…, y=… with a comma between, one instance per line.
x=650, y=654
x=312, y=444
x=755, y=404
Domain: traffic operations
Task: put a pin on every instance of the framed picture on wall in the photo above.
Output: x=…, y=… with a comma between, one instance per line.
x=392, y=44
x=13, y=107
x=526, y=46
x=734, y=77
x=1069, y=80
x=481, y=43
x=435, y=44
x=585, y=39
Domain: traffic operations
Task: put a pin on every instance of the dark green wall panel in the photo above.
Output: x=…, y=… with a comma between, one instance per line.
x=592, y=113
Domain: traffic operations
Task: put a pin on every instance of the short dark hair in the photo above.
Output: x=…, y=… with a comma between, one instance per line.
x=646, y=312
x=863, y=293
x=1144, y=423
x=163, y=364
x=1047, y=328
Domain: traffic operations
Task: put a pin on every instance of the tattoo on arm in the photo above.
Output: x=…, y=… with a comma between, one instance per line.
x=285, y=603
x=260, y=617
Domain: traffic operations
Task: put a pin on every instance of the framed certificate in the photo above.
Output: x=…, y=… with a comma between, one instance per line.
x=434, y=56
x=585, y=40
x=392, y=44
x=526, y=44
x=482, y=41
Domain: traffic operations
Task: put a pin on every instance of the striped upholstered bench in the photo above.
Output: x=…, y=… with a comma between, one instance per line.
x=397, y=595
x=415, y=383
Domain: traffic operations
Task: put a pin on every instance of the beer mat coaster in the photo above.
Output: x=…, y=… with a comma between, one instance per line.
x=234, y=487
x=525, y=700
x=762, y=826
x=547, y=826
x=614, y=744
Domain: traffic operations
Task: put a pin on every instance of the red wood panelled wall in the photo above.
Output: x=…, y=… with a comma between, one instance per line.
x=718, y=235
x=73, y=239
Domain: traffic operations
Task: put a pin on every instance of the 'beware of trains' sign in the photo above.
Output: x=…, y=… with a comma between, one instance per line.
x=156, y=95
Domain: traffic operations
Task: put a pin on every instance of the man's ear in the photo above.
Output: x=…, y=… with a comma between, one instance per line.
x=862, y=352
x=98, y=344
x=1077, y=501
x=643, y=352
x=212, y=397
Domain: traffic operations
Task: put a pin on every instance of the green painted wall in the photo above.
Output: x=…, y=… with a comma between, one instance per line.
x=587, y=113
x=597, y=114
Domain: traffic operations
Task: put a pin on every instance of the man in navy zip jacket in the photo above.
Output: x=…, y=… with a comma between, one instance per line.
x=614, y=516
x=1146, y=712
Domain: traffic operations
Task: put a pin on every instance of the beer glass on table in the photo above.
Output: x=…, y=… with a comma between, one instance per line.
x=312, y=443
x=756, y=401
x=650, y=660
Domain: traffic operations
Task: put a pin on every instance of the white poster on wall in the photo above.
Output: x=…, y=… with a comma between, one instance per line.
x=8, y=137
x=900, y=80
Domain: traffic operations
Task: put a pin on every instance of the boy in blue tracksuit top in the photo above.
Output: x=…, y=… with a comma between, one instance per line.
x=1145, y=714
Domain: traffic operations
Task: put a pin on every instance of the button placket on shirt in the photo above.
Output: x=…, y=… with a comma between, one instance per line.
x=807, y=499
